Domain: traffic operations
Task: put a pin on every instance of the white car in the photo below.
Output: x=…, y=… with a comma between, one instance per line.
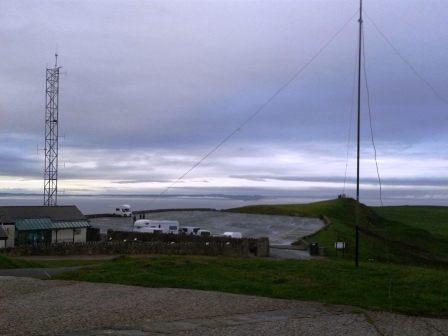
x=237, y=235
x=204, y=233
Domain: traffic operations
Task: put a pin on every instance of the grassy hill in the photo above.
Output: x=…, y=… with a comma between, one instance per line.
x=430, y=218
x=382, y=238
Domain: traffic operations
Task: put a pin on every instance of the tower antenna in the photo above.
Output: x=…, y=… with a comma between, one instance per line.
x=51, y=135
x=357, y=215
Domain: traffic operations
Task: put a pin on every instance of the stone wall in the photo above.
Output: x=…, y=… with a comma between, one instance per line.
x=121, y=242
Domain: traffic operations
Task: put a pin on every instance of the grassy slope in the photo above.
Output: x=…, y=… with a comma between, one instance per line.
x=405, y=289
x=381, y=238
x=430, y=218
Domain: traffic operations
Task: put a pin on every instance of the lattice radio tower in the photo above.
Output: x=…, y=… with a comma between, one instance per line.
x=51, y=135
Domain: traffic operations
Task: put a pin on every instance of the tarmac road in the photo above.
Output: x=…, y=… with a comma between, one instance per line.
x=38, y=273
x=281, y=230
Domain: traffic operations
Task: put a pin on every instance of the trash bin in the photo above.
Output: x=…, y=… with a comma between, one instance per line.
x=322, y=251
x=314, y=249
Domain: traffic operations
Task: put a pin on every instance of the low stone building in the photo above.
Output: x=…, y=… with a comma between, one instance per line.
x=43, y=224
x=8, y=234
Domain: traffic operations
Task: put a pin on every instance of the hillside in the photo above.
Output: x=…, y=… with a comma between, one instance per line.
x=430, y=218
x=381, y=239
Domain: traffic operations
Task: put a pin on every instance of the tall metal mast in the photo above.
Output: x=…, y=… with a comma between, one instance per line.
x=51, y=135
x=358, y=137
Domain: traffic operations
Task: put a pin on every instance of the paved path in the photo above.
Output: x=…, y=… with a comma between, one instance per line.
x=285, y=252
x=38, y=307
x=38, y=273
x=93, y=257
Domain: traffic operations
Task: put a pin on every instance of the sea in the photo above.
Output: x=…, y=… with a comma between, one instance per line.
x=94, y=204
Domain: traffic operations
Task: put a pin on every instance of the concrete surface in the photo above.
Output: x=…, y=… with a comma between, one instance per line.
x=282, y=253
x=93, y=257
x=38, y=307
x=282, y=230
x=38, y=273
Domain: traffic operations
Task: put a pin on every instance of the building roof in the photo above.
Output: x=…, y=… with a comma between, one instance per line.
x=46, y=223
x=3, y=234
x=10, y=214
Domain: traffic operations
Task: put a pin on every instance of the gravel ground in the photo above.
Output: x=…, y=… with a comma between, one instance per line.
x=38, y=307
x=282, y=230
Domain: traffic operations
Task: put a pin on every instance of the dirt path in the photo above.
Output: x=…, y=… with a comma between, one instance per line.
x=37, y=307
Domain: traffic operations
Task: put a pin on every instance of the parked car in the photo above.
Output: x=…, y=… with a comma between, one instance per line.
x=189, y=230
x=204, y=233
x=237, y=235
x=123, y=211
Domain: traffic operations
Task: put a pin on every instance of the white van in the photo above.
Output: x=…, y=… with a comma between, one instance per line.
x=237, y=235
x=123, y=211
x=167, y=226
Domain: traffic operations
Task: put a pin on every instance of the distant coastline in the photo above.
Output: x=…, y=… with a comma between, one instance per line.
x=104, y=203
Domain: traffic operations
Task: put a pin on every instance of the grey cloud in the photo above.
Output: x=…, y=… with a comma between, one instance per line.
x=140, y=181
x=178, y=76
x=413, y=182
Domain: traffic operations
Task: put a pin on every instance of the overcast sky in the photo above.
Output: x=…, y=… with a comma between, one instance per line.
x=148, y=87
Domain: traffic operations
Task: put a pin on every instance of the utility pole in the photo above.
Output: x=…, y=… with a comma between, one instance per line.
x=358, y=154
x=51, y=135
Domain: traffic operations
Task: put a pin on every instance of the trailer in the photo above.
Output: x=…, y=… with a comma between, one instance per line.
x=147, y=230
x=166, y=226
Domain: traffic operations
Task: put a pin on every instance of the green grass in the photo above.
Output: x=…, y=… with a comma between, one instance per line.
x=6, y=262
x=407, y=289
x=382, y=238
x=430, y=218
